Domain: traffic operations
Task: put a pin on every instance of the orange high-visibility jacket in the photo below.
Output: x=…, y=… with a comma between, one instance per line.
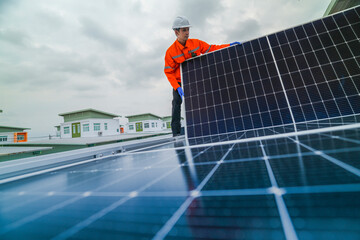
x=177, y=53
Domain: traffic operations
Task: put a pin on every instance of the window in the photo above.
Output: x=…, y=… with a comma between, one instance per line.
x=131, y=127
x=3, y=138
x=152, y=125
x=96, y=126
x=146, y=125
x=20, y=137
x=168, y=125
x=105, y=126
x=86, y=127
x=66, y=130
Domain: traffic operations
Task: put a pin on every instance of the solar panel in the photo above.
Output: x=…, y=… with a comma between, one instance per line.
x=296, y=187
x=298, y=79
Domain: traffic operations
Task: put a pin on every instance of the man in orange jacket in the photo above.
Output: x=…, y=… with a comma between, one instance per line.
x=183, y=48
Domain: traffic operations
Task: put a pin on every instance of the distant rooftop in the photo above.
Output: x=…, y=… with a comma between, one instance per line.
x=143, y=116
x=12, y=129
x=86, y=114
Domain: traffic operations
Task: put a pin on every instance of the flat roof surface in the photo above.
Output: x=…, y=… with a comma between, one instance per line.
x=15, y=150
x=94, y=140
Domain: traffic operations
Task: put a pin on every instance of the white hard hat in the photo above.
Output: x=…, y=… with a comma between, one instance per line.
x=181, y=22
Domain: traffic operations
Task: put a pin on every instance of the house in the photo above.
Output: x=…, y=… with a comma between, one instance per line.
x=88, y=123
x=166, y=122
x=13, y=134
x=146, y=122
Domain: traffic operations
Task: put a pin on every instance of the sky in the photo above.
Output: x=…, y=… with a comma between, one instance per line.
x=63, y=55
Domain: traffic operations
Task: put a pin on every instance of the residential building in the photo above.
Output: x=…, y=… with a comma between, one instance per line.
x=88, y=123
x=166, y=122
x=146, y=122
x=13, y=134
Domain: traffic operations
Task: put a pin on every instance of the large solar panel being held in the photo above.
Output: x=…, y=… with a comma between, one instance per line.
x=302, y=78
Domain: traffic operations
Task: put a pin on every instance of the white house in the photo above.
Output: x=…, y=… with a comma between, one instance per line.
x=88, y=123
x=166, y=122
x=146, y=122
x=13, y=134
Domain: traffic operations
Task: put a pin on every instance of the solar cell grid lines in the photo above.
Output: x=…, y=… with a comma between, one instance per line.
x=306, y=76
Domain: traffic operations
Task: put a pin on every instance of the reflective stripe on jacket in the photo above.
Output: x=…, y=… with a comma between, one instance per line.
x=177, y=53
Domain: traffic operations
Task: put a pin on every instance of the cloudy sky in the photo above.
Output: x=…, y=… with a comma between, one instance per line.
x=64, y=55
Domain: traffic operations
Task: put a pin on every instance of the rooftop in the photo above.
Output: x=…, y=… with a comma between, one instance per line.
x=89, y=110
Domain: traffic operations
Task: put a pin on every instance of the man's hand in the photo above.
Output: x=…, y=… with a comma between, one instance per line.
x=235, y=43
x=181, y=92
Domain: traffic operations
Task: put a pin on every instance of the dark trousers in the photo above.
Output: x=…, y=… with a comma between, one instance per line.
x=176, y=113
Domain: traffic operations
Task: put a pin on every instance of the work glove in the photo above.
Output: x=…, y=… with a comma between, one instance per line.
x=234, y=43
x=181, y=92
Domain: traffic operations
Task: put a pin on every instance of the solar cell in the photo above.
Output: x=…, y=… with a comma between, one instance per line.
x=303, y=74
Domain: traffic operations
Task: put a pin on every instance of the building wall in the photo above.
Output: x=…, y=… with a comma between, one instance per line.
x=153, y=126
x=6, y=137
x=112, y=128
x=11, y=137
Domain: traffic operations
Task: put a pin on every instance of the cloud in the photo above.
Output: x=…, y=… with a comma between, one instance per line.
x=97, y=32
x=244, y=30
x=199, y=11
x=14, y=36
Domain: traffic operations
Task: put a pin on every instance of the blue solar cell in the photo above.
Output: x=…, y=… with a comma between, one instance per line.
x=336, y=37
x=356, y=28
x=281, y=37
x=300, y=33
x=354, y=47
x=255, y=45
x=340, y=70
x=355, y=103
x=247, y=48
x=348, y=33
x=322, y=57
x=344, y=51
x=331, y=107
x=319, y=26
x=340, y=20
x=309, y=29
x=320, y=110
x=333, y=54
x=290, y=34
x=315, y=42
x=345, y=108
x=330, y=23
x=273, y=40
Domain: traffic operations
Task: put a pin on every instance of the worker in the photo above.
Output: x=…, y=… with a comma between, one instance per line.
x=183, y=48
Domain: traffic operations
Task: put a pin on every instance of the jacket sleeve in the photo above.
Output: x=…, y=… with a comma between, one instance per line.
x=169, y=70
x=205, y=47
